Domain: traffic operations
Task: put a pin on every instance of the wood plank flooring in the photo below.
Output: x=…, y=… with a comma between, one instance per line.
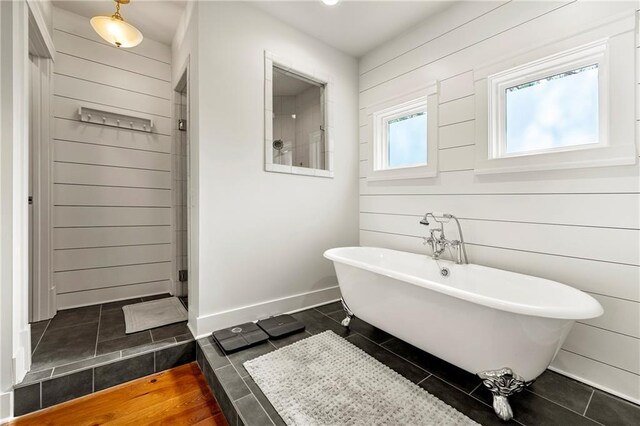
x=179, y=396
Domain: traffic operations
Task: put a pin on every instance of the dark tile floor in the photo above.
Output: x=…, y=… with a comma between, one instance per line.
x=552, y=400
x=91, y=335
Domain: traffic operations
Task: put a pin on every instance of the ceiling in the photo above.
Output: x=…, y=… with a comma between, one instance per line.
x=352, y=26
x=355, y=27
x=156, y=19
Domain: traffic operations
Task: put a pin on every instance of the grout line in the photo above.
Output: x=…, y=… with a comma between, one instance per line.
x=46, y=327
x=428, y=375
x=559, y=405
x=257, y=400
x=385, y=348
x=588, y=402
x=474, y=389
x=387, y=341
x=95, y=352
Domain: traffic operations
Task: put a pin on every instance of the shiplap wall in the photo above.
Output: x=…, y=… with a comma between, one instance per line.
x=112, y=187
x=579, y=227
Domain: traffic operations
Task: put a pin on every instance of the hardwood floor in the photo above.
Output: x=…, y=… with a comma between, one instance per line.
x=179, y=396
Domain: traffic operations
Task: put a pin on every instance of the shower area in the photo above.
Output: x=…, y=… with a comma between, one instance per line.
x=298, y=115
x=122, y=274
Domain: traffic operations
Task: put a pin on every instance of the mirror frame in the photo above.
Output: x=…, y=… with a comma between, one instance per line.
x=271, y=60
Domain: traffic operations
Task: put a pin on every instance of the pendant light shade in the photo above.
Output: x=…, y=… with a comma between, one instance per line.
x=115, y=30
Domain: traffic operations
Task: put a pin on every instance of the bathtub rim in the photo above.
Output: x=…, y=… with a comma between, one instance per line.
x=587, y=308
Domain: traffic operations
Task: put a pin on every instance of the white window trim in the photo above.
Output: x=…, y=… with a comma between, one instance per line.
x=490, y=111
x=306, y=71
x=424, y=100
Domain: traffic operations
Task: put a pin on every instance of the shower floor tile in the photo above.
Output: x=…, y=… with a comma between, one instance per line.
x=92, y=335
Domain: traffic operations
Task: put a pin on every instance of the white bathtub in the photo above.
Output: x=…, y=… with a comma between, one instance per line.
x=477, y=318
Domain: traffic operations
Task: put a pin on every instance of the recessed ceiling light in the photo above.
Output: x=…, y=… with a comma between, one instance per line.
x=330, y=2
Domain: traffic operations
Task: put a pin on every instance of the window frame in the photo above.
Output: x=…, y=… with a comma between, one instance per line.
x=306, y=71
x=614, y=146
x=424, y=100
x=538, y=70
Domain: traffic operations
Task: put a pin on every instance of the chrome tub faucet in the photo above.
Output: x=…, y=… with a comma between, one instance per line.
x=439, y=243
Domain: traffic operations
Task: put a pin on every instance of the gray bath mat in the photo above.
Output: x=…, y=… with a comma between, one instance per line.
x=325, y=380
x=156, y=313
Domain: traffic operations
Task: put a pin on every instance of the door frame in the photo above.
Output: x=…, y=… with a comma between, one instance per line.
x=42, y=292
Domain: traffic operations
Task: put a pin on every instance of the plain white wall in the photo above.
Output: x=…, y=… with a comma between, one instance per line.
x=580, y=227
x=262, y=235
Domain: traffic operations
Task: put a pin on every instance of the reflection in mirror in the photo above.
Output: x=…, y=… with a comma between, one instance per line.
x=298, y=121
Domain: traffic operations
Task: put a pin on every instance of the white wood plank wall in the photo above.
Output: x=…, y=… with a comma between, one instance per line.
x=112, y=197
x=580, y=227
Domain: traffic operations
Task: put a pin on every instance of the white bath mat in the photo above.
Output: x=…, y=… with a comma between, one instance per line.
x=325, y=380
x=156, y=313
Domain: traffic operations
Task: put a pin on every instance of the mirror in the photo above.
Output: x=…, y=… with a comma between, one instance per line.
x=296, y=132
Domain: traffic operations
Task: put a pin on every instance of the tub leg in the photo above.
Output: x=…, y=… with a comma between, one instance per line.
x=347, y=311
x=502, y=384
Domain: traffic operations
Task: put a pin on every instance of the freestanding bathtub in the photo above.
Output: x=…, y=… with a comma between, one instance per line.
x=503, y=326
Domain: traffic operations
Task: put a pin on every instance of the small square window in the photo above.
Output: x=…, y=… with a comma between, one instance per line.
x=404, y=136
x=553, y=112
x=400, y=139
x=407, y=140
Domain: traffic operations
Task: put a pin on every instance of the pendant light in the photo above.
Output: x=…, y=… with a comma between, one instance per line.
x=115, y=30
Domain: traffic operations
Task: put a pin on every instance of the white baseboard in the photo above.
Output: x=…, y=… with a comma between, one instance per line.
x=6, y=407
x=595, y=385
x=208, y=323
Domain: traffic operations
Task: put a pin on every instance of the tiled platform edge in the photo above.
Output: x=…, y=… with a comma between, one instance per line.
x=241, y=400
x=82, y=378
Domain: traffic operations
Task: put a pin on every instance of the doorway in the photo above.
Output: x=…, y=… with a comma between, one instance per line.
x=42, y=304
x=181, y=198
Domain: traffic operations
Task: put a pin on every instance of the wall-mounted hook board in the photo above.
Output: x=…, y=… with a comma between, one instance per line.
x=115, y=118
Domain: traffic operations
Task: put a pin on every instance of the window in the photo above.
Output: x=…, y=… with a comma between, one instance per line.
x=298, y=111
x=558, y=111
x=553, y=113
x=403, y=140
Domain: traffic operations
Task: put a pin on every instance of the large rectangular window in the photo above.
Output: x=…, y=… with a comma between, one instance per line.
x=553, y=112
x=569, y=109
